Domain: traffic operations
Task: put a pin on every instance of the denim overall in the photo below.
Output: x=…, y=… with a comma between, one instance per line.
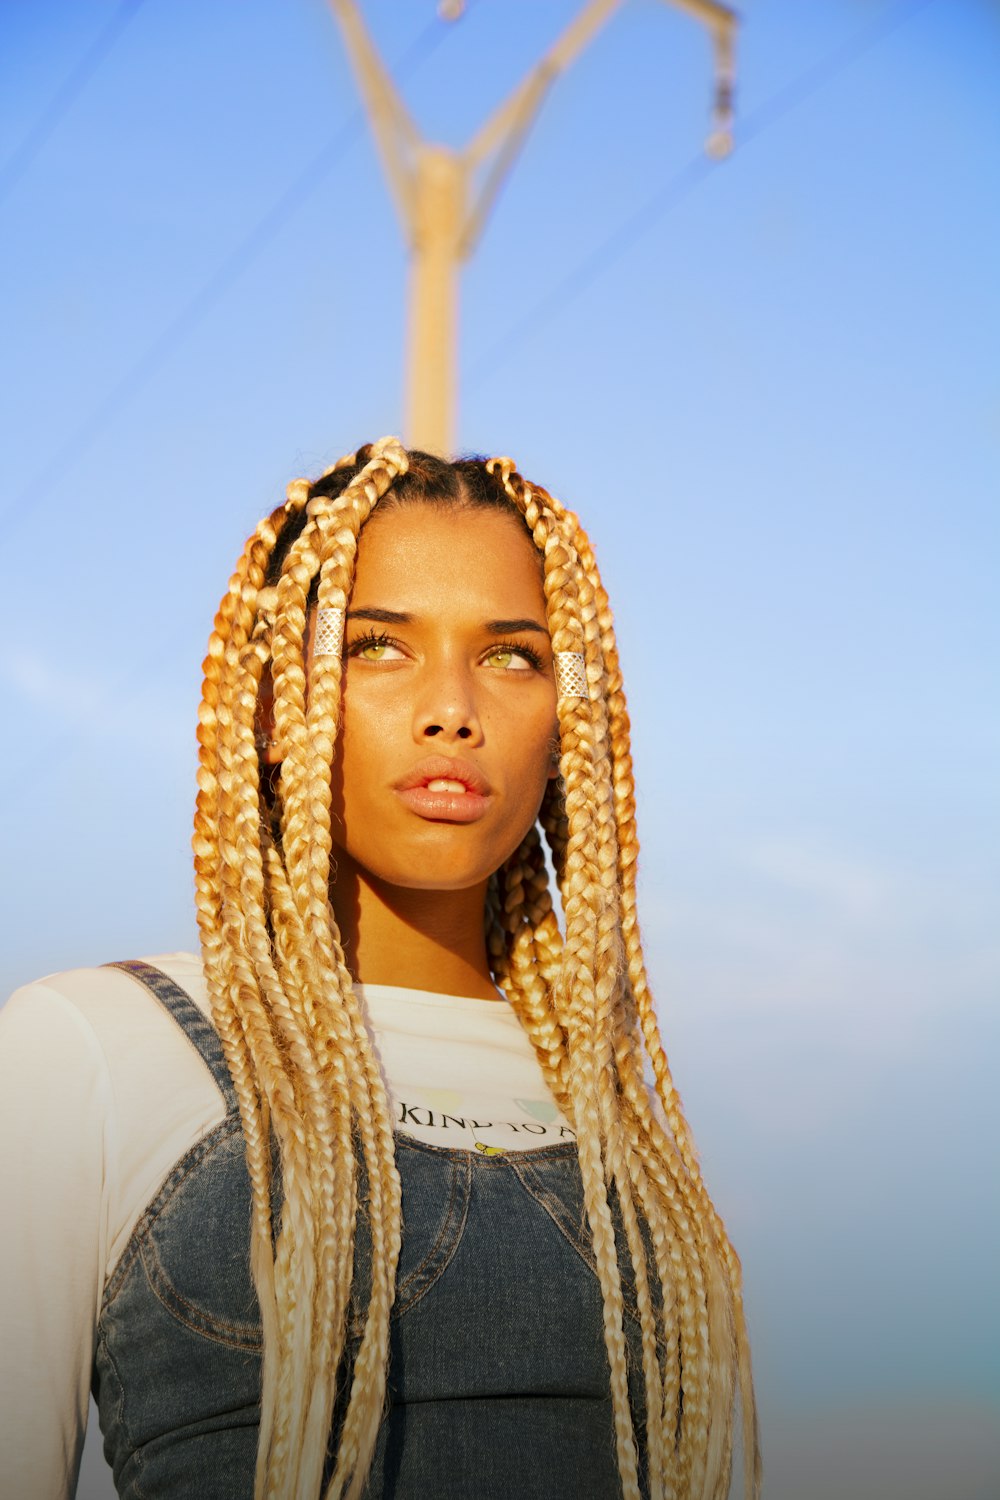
x=498, y=1383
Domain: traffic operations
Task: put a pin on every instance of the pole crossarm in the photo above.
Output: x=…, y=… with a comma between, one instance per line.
x=505, y=131
x=432, y=186
x=718, y=17
x=560, y=56
x=392, y=126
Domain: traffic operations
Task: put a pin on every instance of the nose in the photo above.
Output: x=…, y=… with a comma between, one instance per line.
x=446, y=708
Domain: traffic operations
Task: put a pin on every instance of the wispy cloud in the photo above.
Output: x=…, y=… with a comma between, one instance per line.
x=72, y=696
x=790, y=925
x=91, y=710
x=852, y=887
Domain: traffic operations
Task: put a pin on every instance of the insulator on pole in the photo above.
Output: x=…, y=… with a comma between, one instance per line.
x=719, y=142
x=720, y=139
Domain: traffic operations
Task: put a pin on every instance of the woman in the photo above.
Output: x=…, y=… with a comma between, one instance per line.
x=484, y=1262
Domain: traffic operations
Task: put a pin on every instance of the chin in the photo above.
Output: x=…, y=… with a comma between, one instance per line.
x=430, y=878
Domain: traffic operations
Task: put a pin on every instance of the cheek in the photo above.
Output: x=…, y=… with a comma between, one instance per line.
x=373, y=721
x=364, y=727
x=361, y=739
x=534, y=753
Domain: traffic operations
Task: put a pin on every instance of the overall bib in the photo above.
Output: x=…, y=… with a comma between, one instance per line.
x=498, y=1384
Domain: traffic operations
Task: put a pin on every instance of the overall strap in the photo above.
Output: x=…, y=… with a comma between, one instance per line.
x=197, y=1028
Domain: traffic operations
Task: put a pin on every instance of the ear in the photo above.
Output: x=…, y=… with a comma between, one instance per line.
x=267, y=745
x=555, y=751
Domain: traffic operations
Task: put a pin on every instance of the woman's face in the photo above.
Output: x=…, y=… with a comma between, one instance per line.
x=449, y=700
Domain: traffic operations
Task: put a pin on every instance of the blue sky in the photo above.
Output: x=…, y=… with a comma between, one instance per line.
x=770, y=388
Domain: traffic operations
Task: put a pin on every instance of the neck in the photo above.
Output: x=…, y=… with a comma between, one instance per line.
x=416, y=939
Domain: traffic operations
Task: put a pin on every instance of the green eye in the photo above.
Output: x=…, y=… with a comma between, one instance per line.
x=508, y=656
x=372, y=647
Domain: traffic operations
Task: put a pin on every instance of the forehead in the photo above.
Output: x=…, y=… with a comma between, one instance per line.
x=436, y=558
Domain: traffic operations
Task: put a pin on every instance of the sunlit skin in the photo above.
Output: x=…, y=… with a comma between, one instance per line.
x=447, y=655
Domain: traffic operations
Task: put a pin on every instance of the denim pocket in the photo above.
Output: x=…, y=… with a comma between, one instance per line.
x=557, y=1186
x=436, y=1187
x=193, y=1242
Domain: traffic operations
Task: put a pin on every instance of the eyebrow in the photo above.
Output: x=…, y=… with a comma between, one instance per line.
x=383, y=616
x=511, y=627
x=400, y=617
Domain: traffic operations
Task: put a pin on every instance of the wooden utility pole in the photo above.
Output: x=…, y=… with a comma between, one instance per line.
x=432, y=187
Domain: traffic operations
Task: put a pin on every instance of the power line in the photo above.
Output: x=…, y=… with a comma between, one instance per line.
x=139, y=374
x=679, y=187
x=191, y=314
x=584, y=274
x=65, y=96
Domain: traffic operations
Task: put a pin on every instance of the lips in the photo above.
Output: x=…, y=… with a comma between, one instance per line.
x=442, y=788
x=444, y=768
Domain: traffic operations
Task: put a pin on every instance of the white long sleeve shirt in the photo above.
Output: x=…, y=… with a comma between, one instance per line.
x=101, y=1093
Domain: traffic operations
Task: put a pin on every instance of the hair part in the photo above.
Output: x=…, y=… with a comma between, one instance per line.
x=463, y=484
x=294, y=1033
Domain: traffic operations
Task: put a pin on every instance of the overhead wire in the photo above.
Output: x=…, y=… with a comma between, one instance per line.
x=65, y=96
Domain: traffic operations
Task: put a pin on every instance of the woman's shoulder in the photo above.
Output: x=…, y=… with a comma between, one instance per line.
x=98, y=1030
x=92, y=1057
x=94, y=991
x=105, y=1024
x=102, y=1007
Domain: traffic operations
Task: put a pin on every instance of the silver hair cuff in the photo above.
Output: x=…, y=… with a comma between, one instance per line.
x=571, y=675
x=329, y=637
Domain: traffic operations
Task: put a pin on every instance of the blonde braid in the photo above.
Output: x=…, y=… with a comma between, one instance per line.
x=317, y=1281
x=231, y=976
x=351, y=1072
x=341, y=528
x=624, y=785
x=277, y=1031
x=693, y=1308
x=523, y=961
x=587, y=979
